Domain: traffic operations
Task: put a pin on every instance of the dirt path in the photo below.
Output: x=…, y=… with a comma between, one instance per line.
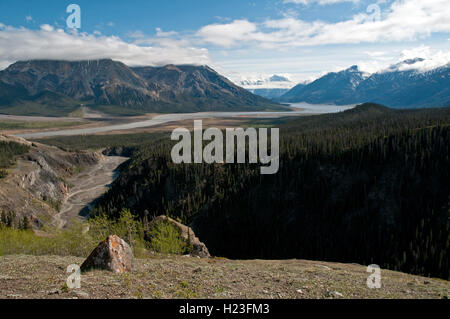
x=88, y=186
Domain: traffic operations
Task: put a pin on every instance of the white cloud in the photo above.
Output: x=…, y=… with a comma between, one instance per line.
x=404, y=20
x=50, y=43
x=431, y=58
x=228, y=34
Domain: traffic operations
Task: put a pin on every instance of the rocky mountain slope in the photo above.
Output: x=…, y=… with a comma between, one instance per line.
x=332, y=88
x=399, y=86
x=37, y=185
x=106, y=82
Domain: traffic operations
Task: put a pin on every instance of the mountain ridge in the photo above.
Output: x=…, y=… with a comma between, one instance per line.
x=183, y=88
x=399, y=86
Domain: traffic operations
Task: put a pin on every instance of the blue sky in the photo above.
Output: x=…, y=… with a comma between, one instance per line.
x=176, y=15
x=300, y=39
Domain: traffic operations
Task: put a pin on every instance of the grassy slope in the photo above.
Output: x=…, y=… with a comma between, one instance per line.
x=21, y=125
x=182, y=277
x=35, y=109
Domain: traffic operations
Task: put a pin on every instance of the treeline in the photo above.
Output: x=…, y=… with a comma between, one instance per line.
x=112, y=143
x=10, y=220
x=370, y=185
x=8, y=151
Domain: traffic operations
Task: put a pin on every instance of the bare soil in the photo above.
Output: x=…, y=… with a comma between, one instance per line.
x=165, y=277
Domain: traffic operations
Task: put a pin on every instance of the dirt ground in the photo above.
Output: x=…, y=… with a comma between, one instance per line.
x=24, y=277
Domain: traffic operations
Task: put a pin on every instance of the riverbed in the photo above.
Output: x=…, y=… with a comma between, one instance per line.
x=300, y=109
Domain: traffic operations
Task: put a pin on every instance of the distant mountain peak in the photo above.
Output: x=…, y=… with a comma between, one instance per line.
x=278, y=78
x=265, y=82
x=404, y=65
x=413, y=61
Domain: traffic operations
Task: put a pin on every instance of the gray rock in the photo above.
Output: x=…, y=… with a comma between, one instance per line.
x=113, y=254
x=199, y=248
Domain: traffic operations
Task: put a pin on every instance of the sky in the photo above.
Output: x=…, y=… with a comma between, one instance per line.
x=242, y=39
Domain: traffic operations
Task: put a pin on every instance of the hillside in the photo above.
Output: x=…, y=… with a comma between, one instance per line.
x=53, y=85
x=37, y=181
x=182, y=277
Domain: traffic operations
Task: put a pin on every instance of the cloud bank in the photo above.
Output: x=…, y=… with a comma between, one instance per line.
x=403, y=20
x=50, y=43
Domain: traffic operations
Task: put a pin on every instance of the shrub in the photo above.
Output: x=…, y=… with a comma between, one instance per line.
x=126, y=227
x=166, y=239
x=3, y=173
x=68, y=242
x=74, y=240
x=81, y=238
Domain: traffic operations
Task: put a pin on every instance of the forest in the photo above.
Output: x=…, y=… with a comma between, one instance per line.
x=368, y=186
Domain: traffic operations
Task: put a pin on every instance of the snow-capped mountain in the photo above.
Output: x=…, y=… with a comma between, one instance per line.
x=407, y=84
x=270, y=87
x=266, y=82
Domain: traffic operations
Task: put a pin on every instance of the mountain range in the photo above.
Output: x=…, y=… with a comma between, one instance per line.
x=41, y=84
x=269, y=87
x=399, y=86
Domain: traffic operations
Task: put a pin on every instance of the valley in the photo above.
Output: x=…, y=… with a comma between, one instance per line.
x=224, y=218
x=89, y=184
x=236, y=150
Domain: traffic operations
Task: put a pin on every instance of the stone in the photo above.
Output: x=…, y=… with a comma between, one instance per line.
x=337, y=294
x=81, y=294
x=113, y=254
x=199, y=248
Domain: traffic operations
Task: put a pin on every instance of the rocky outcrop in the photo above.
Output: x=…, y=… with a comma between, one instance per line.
x=113, y=254
x=199, y=248
x=37, y=185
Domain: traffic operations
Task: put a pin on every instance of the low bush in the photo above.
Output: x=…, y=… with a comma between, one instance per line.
x=78, y=240
x=166, y=239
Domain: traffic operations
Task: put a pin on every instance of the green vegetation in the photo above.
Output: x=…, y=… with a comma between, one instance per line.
x=8, y=151
x=25, y=125
x=95, y=142
x=53, y=203
x=164, y=238
x=370, y=185
x=18, y=238
x=36, y=109
x=70, y=242
x=126, y=227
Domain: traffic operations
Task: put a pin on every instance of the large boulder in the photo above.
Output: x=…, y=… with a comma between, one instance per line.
x=113, y=254
x=199, y=248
